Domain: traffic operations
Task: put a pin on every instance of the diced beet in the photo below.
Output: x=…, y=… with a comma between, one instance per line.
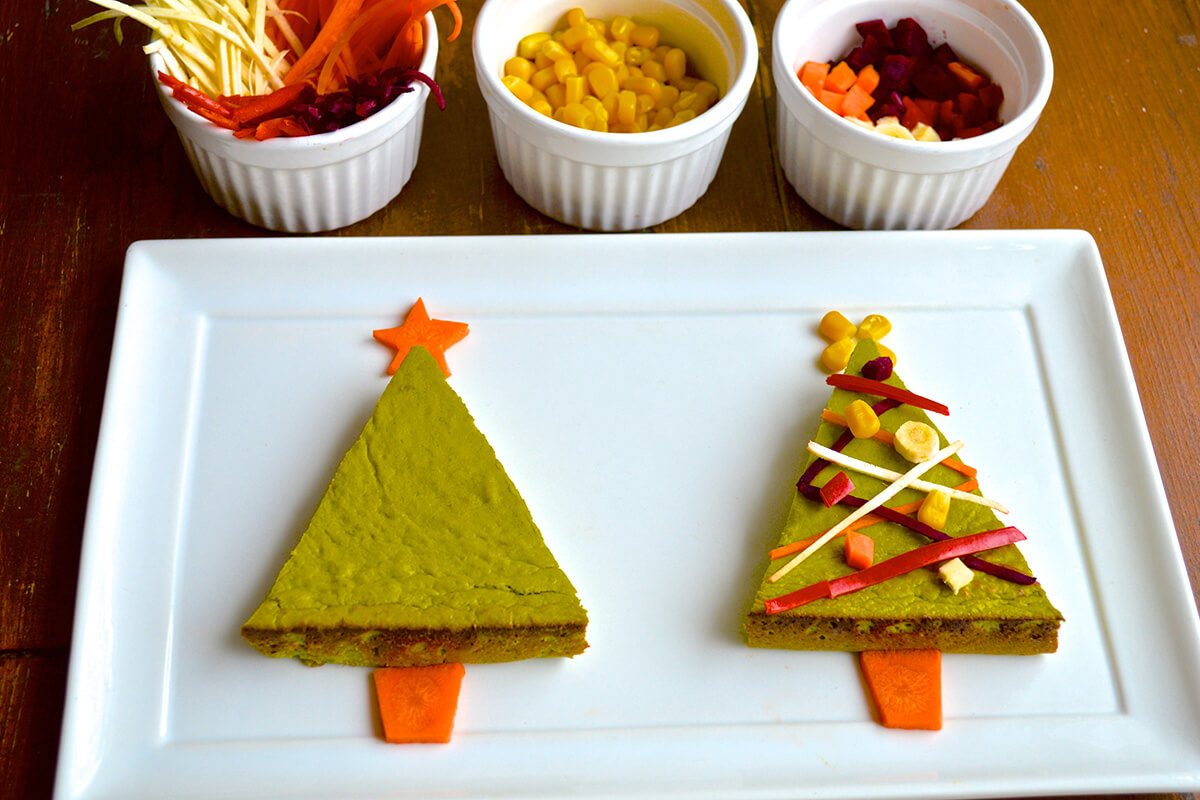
x=943, y=54
x=895, y=72
x=909, y=37
x=935, y=83
x=858, y=58
x=875, y=29
x=971, y=110
x=991, y=96
x=989, y=126
x=877, y=369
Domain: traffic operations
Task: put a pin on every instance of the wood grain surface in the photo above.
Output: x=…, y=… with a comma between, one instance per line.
x=89, y=164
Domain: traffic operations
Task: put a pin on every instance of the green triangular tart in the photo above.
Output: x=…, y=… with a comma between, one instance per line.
x=916, y=610
x=421, y=550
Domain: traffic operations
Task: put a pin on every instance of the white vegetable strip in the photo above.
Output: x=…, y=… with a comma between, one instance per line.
x=875, y=502
x=867, y=468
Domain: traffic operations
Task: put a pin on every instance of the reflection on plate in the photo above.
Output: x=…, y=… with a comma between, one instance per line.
x=651, y=395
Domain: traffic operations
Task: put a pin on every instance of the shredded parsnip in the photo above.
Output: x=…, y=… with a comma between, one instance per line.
x=217, y=46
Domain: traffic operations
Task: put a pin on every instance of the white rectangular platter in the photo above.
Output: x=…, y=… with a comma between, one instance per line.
x=651, y=396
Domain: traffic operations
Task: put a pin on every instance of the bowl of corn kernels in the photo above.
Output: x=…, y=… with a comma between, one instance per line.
x=613, y=116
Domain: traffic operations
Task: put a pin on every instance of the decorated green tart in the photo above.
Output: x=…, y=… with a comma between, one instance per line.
x=989, y=602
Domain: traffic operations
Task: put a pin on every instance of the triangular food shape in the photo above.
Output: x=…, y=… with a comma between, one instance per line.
x=1001, y=610
x=421, y=550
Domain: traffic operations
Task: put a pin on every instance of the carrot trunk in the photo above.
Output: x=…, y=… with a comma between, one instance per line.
x=418, y=704
x=905, y=686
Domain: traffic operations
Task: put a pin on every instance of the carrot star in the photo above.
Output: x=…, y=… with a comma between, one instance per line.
x=418, y=330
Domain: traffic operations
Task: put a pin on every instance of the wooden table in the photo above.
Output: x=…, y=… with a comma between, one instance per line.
x=90, y=164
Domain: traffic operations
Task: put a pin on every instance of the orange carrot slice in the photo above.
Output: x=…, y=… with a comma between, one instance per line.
x=418, y=704
x=418, y=330
x=905, y=687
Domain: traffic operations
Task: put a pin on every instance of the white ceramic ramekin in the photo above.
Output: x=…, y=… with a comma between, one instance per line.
x=865, y=180
x=308, y=183
x=616, y=181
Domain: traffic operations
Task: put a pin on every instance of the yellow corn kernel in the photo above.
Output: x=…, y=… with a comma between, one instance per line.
x=543, y=78
x=622, y=74
x=519, y=87
x=644, y=36
x=687, y=83
x=597, y=108
x=574, y=36
x=660, y=52
x=619, y=48
x=675, y=64
x=619, y=29
x=874, y=326
x=575, y=114
x=632, y=72
x=565, y=68
x=670, y=96
x=602, y=80
x=836, y=356
x=645, y=85
x=681, y=117
x=556, y=95
x=934, y=509
x=528, y=46
x=554, y=50
x=598, y=50
x=708, y=92
x=610, y=105
x=635, y=56
x=861, y=419
x=834, y=327
x=662, y=118
x=576, y=88
x=542, y=106
x=581, y=60
x=884, y=350
x=599, y=26
x=653, y=69
x=541, y=60
x=576, y=16
x=645, y=104
x=626, y=107
x=688, y=101
x=520, y=67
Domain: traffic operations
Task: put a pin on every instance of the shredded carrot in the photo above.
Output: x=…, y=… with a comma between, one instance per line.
x=418, y=704
x=340, y=17
x=905, y=687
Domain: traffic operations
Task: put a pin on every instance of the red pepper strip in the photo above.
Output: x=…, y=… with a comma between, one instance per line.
x=264, y=106
x=913, y=524
x=190, y=95
x=857, y=383
x=219, y=120
x=897, y=565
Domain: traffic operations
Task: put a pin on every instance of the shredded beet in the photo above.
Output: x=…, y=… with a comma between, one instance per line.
x=360, y=100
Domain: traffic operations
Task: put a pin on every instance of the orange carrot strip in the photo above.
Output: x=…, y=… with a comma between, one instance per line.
x=905, y=687
x=418, y=704
x=340, y=17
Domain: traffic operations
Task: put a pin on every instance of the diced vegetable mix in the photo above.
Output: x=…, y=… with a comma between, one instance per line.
x=898, y=83
x=611, y=76
x=266, y=68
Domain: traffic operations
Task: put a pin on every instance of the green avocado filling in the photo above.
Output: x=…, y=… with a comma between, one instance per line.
x=915, y=603
x=422, y=530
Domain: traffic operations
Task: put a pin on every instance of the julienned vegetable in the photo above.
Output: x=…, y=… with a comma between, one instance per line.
x=243, y=64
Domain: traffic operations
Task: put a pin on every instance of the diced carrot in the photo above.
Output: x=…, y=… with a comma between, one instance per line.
x=840, y=78
x=868, y=79
x=812, y=75
x=860, y=550
x=966, y=76
x=914, y=113
x=905, y=687
x=418, y=704
x=928, y=107
x=832, y=100
x=856, y=102
x=835, y=489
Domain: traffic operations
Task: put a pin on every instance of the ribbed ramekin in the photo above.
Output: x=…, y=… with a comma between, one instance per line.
x=313, y=183
x=616, y=181
x=861, y=179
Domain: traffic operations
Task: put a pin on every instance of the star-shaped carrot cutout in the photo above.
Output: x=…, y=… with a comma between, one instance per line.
x=418, y=330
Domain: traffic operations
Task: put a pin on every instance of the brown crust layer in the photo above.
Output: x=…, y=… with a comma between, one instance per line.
x=406, y=647
x=983, y=636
